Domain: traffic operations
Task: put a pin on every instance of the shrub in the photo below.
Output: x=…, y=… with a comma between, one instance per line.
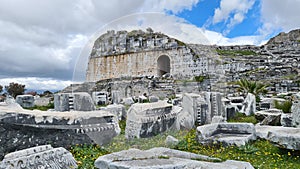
x=285, y=106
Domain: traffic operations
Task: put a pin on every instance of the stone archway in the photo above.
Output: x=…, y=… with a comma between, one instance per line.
x=163, y=65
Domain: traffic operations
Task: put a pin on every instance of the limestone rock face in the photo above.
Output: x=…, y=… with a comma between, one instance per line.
x=163, y=158
x=283, y=137
x=226, y=133
x=20, y=129
x=293, y=35
x=39, y=157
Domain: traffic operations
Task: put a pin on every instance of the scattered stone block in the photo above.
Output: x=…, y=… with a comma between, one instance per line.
x=217, y=119
x=149, y=119
x=270, y=117
x=25, y=101
x=79, y=101
x=296, y=114
x=164, y=158
x=100, y=98
x=249, y=105
x=20, y=129
x=40, y=157
x=128, y=101
x=286, y=120
x=171, y=141
x=283, y=137
x=226, y=133
x=153, y=99
x=117, y=109
x=195, y=110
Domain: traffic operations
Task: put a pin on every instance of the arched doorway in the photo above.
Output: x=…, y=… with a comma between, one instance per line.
x=163, y=65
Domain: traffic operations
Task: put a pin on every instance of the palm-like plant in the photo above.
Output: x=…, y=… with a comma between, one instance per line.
x=253, y=87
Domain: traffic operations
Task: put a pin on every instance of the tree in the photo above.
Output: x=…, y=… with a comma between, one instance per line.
x=15, y=89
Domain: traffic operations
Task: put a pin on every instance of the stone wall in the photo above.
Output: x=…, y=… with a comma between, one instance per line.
x=144, y=63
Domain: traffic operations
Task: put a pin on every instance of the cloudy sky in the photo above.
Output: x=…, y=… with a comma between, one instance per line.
x=45, y=44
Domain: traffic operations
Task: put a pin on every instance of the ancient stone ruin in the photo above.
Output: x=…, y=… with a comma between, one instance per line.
x=227, y=134
x=163, y=158
x=149, y=119
x=20, y=129
x=44, y=156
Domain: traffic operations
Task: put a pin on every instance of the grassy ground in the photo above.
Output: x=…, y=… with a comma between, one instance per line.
x=261, y=153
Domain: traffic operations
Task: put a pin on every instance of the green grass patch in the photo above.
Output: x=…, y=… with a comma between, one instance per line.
x=42, y=108
x=261, y=153
x=86, y=155
x=240, y=117
x=235, y=52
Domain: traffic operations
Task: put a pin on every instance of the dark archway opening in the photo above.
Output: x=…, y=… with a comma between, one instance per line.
x=163, y=65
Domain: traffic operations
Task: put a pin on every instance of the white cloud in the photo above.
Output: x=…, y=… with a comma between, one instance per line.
x=232, y=12
x=175, y=6
x=279, y=15
x=219, y=39
x=42, y=39
x=37, y=83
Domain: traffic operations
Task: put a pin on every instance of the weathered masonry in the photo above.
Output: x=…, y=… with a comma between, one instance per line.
x=137, y=53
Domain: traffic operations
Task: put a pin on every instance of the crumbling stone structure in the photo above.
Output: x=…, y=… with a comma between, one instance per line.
x=137, y=53
x=149, y=119
x=20, y=129
x=44, y=156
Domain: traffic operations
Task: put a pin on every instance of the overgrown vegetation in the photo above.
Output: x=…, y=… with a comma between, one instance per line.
x=285, y=106
x=235, y=52
x=200, y=79
x=43, y=108
x=240, y=117
x=261, y=153
x=15, y=89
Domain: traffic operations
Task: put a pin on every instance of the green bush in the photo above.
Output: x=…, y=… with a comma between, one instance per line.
x=285, y=106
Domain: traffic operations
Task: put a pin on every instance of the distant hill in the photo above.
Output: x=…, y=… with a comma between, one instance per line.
x=292, y=36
